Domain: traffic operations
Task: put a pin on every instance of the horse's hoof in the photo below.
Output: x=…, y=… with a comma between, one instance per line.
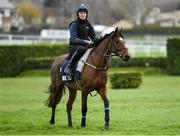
x=70, y=126
x=52, y=122
x=105, y=128
x=83, y=125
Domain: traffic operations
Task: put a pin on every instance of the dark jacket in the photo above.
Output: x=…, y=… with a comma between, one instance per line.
x=81, y=31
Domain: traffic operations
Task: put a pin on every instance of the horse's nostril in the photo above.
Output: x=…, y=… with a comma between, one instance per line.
x=126, y=58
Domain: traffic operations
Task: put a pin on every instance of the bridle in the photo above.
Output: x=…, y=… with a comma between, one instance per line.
x=112, y=51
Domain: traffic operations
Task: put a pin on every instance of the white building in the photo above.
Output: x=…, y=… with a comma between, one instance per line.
x=153, y=16
x=9, y=17
x=6, y=11
x=124, y=23
x=170, y=19
x=163, y=19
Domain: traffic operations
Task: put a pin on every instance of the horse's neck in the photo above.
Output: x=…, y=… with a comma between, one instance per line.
x=98, y=55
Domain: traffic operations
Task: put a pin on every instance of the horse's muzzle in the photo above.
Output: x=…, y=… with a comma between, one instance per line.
x=126, y=57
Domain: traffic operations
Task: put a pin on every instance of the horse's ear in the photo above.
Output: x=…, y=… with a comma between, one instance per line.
x=116, y=30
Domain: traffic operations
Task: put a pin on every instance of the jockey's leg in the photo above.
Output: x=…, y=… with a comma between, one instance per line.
x=79, y=53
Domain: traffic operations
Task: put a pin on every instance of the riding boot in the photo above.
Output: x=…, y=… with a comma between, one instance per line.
x=77, y=74
x=71, y=64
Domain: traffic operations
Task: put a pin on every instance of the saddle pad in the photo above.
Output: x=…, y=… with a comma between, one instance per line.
x=83, y=59
x=64, y=76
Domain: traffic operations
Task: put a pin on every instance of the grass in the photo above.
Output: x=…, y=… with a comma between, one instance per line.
x=151, y=109
x=143, y=70
x=35, y=73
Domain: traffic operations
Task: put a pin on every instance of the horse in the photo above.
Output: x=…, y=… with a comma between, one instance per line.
x=93, y=77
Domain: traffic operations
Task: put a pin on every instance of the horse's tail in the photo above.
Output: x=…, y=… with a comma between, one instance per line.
x=55, y=95
x=56, y=89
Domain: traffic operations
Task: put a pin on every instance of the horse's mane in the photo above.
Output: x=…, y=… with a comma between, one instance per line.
x=99, y=40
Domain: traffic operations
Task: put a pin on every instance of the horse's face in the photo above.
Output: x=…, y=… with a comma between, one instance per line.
x=118, y=45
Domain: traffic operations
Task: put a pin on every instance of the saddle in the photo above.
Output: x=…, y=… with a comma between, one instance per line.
x=78, y=67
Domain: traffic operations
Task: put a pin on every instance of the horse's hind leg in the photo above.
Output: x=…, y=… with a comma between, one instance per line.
x=72, y=97
x=52, y=121
x=54, y=99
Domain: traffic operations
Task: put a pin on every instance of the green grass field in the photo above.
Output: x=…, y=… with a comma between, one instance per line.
x=151, y=109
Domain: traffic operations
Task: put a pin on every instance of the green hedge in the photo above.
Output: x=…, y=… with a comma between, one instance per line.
x=12, y=57
x=139, y=62
x=125, y=80
x=45, y=62
x=173, y=56
x=11, y=60
x=37, y=63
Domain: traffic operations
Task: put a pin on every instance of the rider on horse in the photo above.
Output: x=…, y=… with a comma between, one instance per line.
x=82, y=35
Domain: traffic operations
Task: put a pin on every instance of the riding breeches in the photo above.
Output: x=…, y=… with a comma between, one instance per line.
x=79, y=49
x=75, y=53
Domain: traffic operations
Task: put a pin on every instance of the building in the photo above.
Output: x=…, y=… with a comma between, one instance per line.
x=8, y=17
x=153, y=16
x=163, y=19
x=7, y=9
x=124, y=23
x=170, y=19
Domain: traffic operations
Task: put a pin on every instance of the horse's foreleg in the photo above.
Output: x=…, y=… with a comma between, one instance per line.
x=84, y=107
x=103, y=94
x=72, y=97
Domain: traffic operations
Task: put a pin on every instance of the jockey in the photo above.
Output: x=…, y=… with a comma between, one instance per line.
x=82, y=35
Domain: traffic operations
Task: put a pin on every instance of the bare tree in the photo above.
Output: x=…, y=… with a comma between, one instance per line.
x=141, y=9
x=135, y=10
x=99, y=13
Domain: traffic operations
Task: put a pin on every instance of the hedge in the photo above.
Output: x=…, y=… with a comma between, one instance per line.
x=15, y=59
x=12, y=57
x=139, y=62
x=11, y=60
x=45, y=62
x=37, y=63
x=125, y=80
x=173, y=56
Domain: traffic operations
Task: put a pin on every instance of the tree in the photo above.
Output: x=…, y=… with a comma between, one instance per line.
x=141, y=10
x=100, y=12
x=135, y=10
x=29, y=11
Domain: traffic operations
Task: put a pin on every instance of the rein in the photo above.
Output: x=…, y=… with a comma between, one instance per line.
x=109, y=57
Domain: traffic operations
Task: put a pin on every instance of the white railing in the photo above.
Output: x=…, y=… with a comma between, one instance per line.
x=149, y=46
x=10, y=39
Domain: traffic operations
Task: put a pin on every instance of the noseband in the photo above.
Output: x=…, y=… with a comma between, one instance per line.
x=113, y=50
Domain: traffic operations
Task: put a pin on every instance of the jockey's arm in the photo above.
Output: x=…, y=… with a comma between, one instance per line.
x=74, y=36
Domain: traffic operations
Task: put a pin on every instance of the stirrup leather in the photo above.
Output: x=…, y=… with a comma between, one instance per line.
x=68, y=69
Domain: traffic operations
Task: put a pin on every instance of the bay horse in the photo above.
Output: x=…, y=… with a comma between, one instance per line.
x=93, y=77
